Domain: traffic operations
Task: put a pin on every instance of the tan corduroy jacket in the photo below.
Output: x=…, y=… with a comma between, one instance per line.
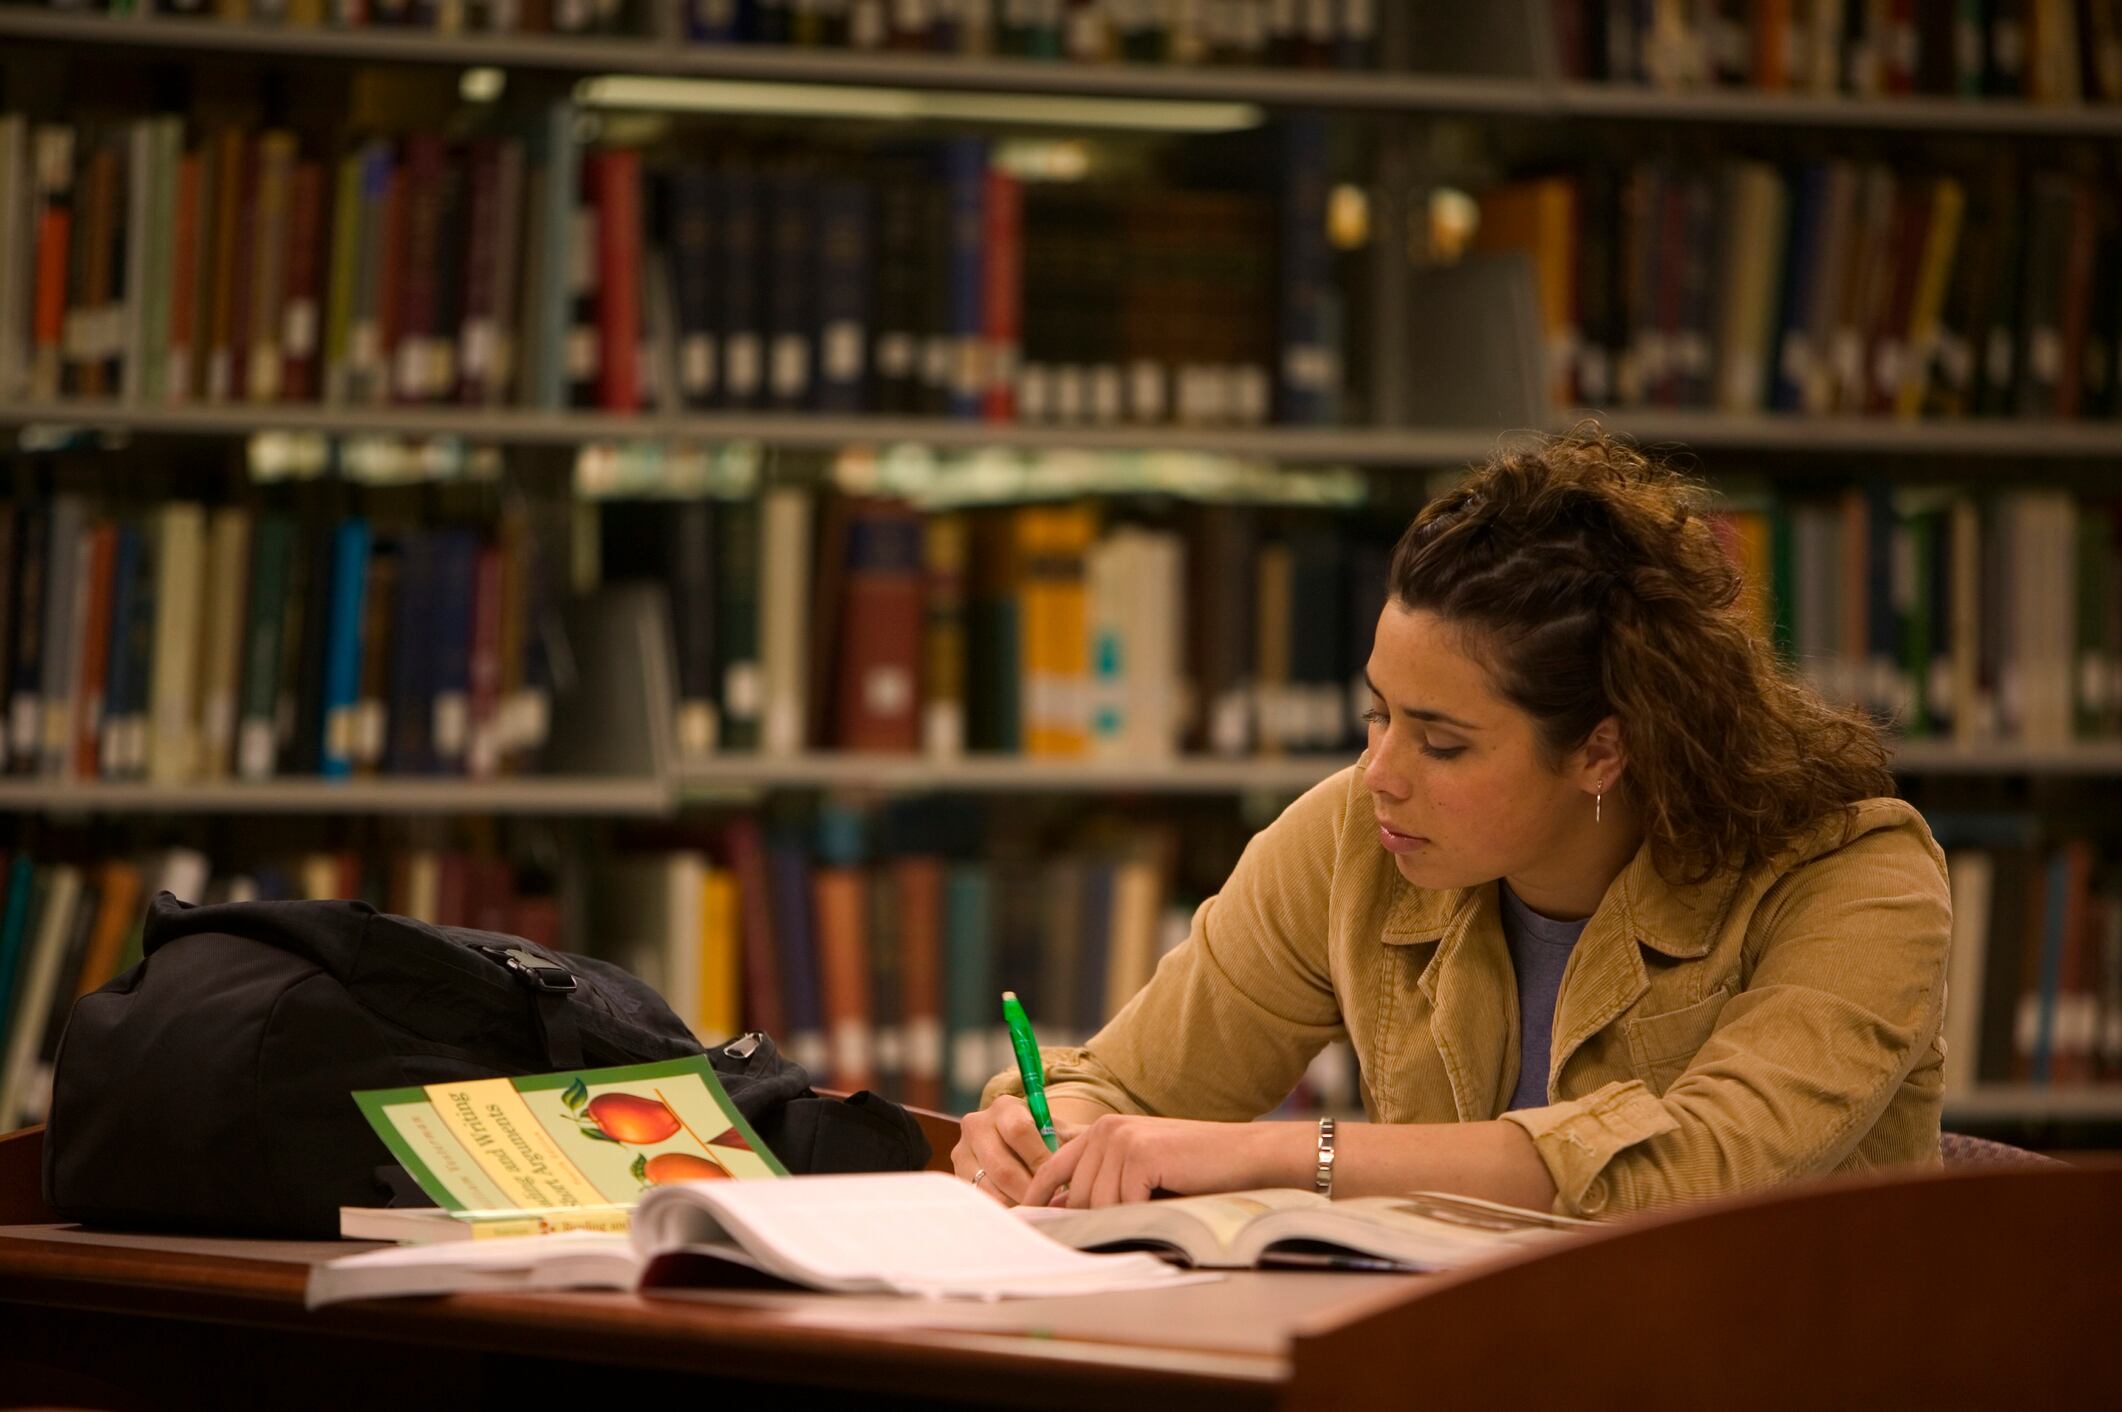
x=1753, y=1029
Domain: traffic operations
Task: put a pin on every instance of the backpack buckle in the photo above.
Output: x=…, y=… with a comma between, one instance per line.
x=534, y=970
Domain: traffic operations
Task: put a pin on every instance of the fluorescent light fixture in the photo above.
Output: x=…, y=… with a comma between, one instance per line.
x=818, y=100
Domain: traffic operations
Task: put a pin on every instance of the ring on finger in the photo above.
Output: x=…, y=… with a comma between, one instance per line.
x=979, y=1176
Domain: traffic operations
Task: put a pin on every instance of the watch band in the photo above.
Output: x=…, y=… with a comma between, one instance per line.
x=1323, y=1179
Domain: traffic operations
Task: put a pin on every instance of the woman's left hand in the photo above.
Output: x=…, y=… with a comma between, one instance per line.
x=1122, y=1157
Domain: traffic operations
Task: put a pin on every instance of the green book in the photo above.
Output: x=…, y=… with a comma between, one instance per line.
x=971, y=1021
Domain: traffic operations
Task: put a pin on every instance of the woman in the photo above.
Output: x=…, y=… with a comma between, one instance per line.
x=1613, y=909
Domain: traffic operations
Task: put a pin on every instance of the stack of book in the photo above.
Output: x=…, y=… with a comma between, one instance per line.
x=191, y=643
x=1310, y=34
x=163, y=266
x=1842, y=287
x=2050, y=51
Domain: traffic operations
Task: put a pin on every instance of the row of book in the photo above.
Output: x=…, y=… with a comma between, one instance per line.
x=1312, y=34
x=66, y=929
x=2034, y=994
x=1848, y=287
x=145, y=262
x=2049, y=51
x=1974, y=619
x=872, y=972
x=862, y=624
x=249, y=641
x=186, y=643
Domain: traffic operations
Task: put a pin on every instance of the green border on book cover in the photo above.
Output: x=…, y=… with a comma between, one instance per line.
x=375, y=1101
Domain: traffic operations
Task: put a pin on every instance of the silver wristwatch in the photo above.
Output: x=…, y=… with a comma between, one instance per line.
x=1323, y=1179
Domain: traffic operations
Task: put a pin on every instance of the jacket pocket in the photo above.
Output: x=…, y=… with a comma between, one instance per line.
x=1660, y=1047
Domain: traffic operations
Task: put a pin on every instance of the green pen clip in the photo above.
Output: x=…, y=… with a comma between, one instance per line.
x=1029, y=1067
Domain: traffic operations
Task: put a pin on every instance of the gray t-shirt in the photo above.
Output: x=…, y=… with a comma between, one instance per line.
x=1539, y=949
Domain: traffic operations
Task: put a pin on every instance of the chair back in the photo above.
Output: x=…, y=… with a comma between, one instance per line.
x=1957, y=1148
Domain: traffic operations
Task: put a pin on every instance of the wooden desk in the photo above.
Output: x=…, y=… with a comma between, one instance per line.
x=1940, y=1289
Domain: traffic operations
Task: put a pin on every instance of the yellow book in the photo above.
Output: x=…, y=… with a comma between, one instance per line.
x=1053, y=546
x=1947, y=205
x=720, y=950
x=1540, y=219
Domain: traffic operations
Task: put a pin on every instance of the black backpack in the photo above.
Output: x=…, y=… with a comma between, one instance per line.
x=208, y=1088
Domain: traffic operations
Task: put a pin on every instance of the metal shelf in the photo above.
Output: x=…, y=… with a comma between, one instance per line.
x=2101, y=1102
x=1415, y=446
x=735, y=777
x=1008, y=773
x=1391, y=446
x=1350, y=90
x=549, y=795
x=1938, y=757
x=2017, y=438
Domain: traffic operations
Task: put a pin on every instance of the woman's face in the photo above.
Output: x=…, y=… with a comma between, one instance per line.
x=1464, y=793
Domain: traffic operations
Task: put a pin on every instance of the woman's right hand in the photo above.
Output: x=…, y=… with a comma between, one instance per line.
x=1001, y=1146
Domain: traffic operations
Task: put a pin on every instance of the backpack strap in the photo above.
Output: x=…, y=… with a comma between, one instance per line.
x=554, y=986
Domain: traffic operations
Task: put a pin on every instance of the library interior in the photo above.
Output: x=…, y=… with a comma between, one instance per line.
x=593, y=545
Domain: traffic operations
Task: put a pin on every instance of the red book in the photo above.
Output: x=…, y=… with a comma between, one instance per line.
x=242, y=271
x=55, y=234
x=762, y=957
x=919, y=886
x=476, y=336
x=183, y=349
x=482, y=752
x=878, y=696
x=305, y=260
x=418, y=290
x=616, y=190
x=2077, y=298
x=95, y=651
x=1003, y=297
x=453, y=890
x=840, y=898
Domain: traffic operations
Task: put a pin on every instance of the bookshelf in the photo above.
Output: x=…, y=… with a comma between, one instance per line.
x=1536, y=96
x=1524, y=96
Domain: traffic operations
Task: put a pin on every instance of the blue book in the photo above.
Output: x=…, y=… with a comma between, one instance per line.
x=791, y=268
x=789, y=867
x=972, y=1007
x=741, y=321
x=14, y=926
x=1801, y=271
x=965, y=184
x=1308, y=361
x=342, y=648
x=843, y=283
x=413, y=621
x=455, y=568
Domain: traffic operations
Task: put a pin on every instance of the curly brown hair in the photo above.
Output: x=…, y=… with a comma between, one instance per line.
x=1589, y=573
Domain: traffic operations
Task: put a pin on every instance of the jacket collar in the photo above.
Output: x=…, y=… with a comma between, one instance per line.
x=1678, y=921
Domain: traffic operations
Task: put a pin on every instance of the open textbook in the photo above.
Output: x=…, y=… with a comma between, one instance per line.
x=897, y=1232
x=554, y=1152
x=1238, y=1230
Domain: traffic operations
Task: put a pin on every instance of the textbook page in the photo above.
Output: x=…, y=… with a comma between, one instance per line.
x=914, y=1232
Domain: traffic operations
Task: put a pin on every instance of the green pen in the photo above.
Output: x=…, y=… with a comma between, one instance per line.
x=1028, y=1065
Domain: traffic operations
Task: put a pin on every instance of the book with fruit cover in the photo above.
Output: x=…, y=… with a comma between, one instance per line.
x=572, y=1150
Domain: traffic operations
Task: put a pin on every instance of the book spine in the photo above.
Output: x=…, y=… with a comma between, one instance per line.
x=342, y=669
